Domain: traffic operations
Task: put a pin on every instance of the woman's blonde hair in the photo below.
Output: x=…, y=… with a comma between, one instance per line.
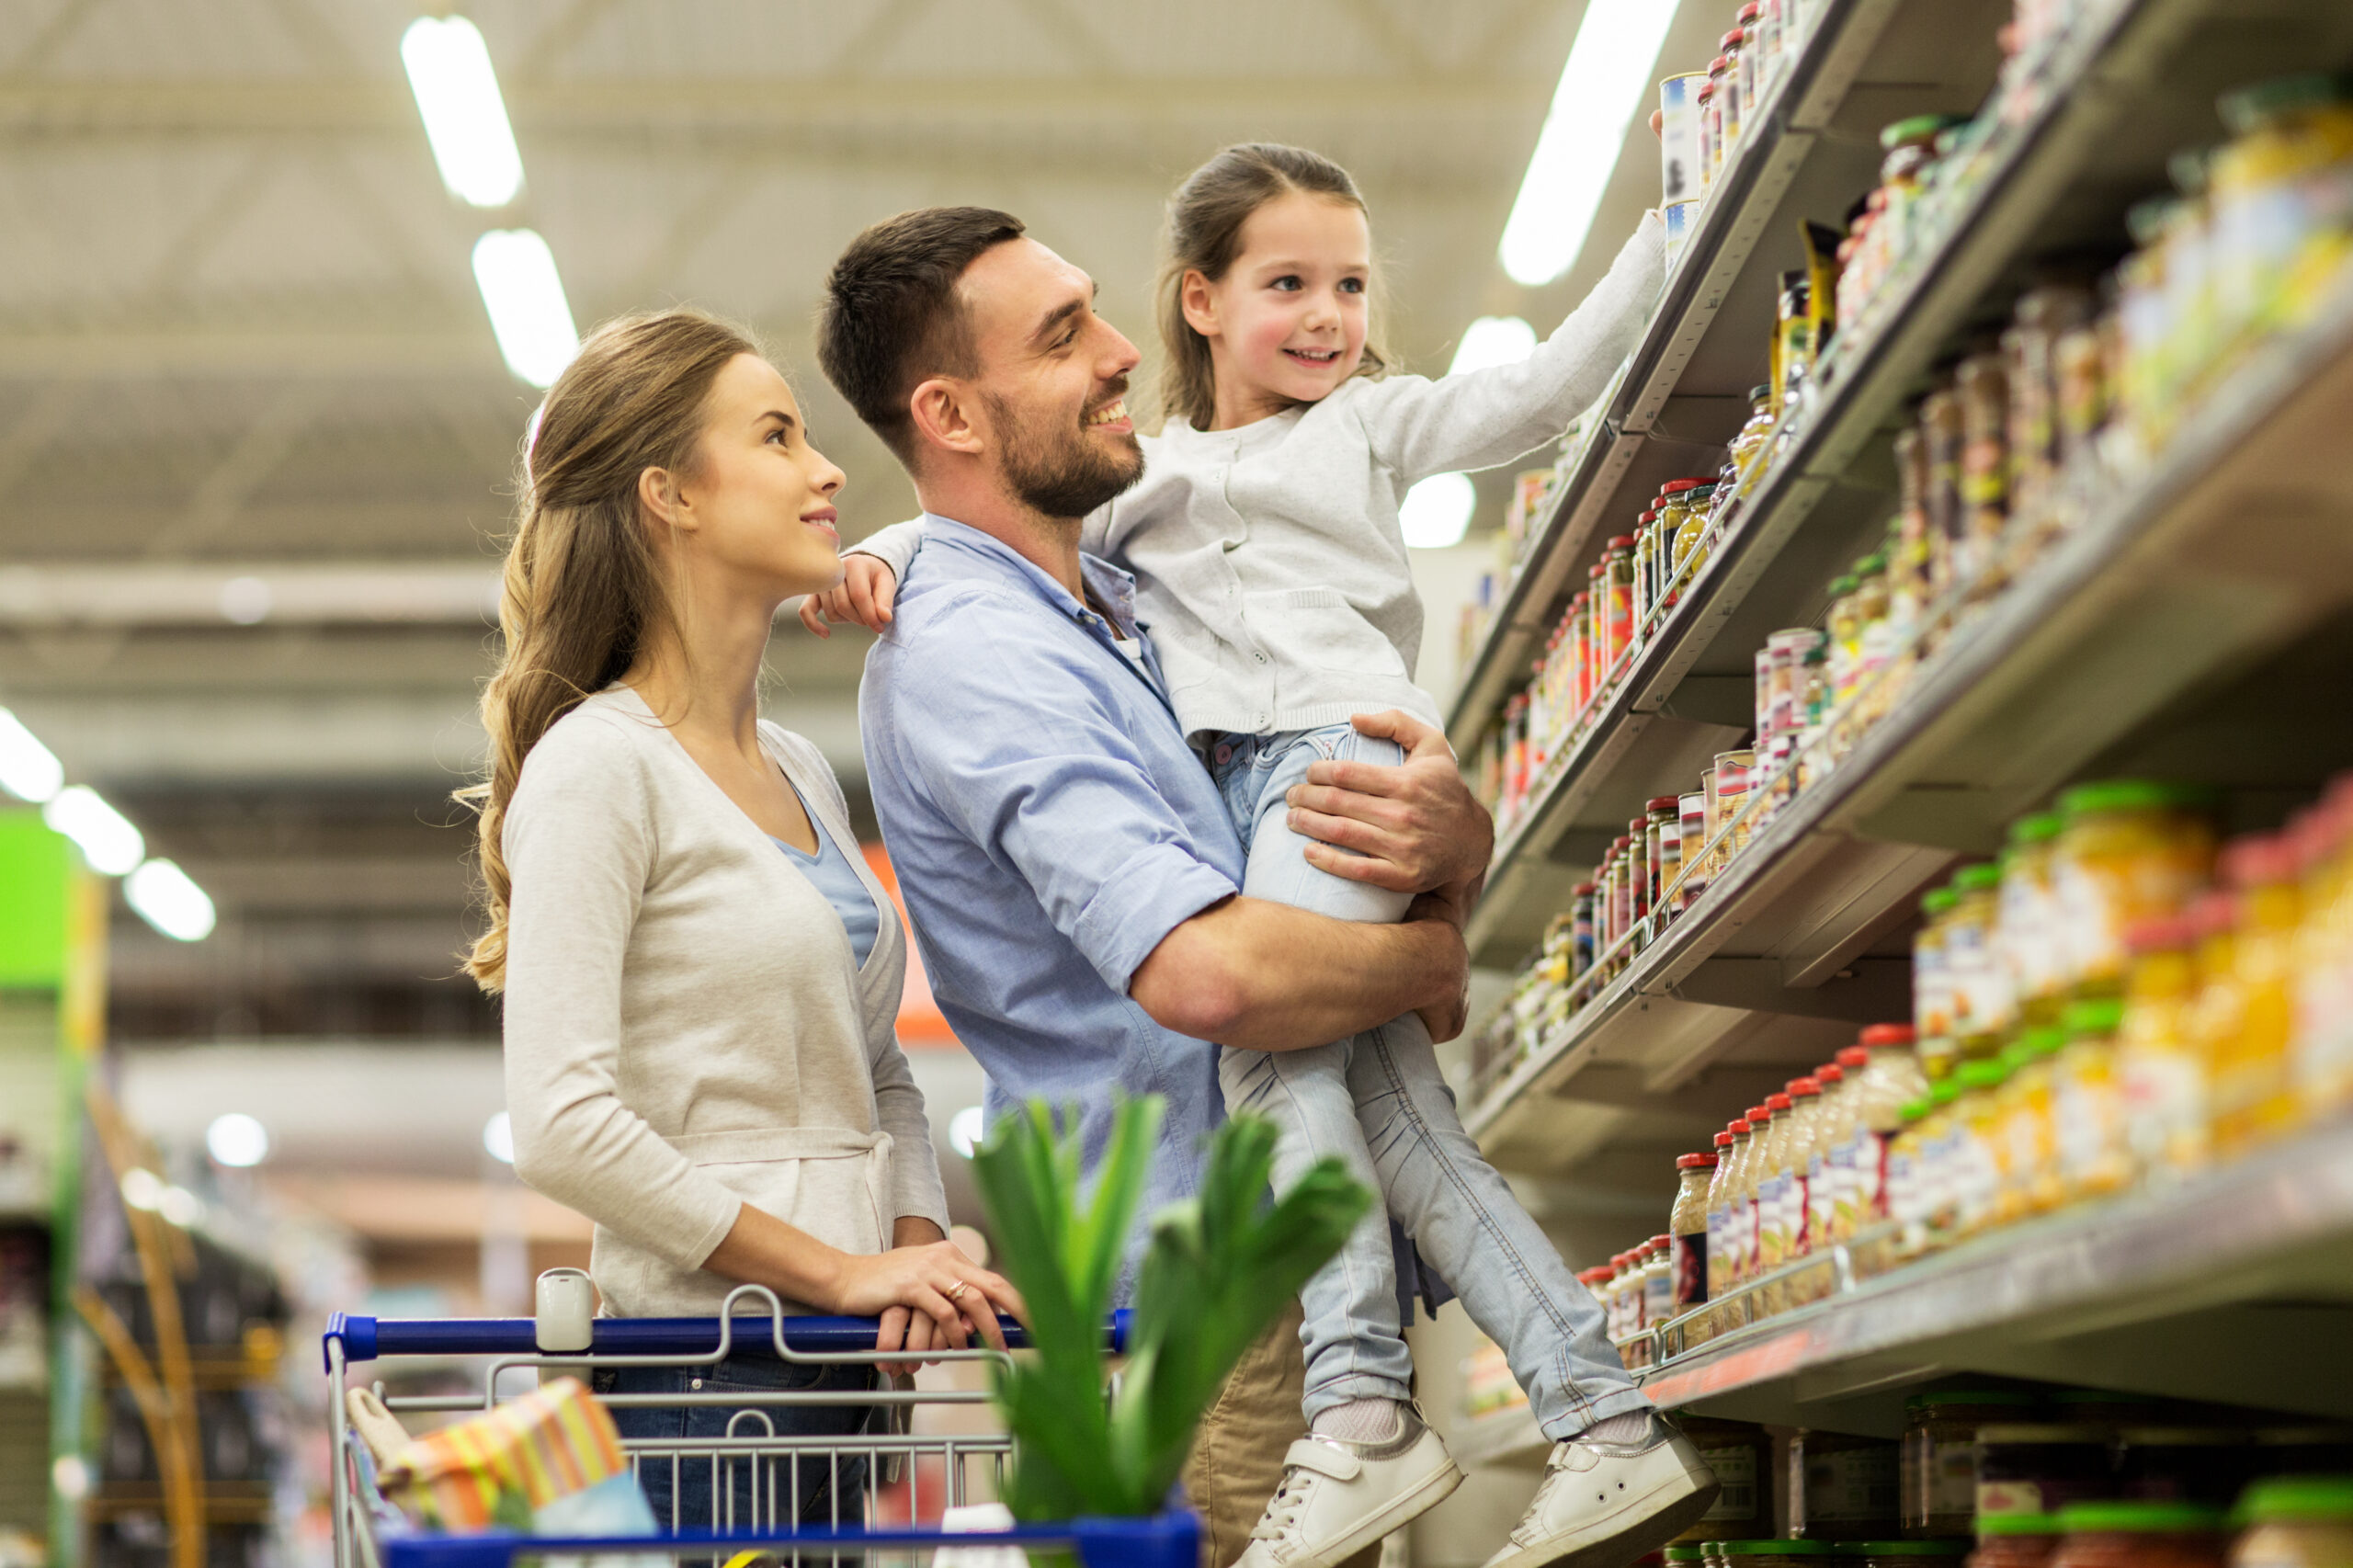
x=1203, y=234
x=584, y=589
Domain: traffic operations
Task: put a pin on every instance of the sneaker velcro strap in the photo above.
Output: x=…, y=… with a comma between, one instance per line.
x=1323, y=1459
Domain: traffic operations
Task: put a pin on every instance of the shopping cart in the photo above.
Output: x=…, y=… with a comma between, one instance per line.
x=888, y=1463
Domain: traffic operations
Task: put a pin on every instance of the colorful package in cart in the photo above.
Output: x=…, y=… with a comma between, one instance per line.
x=548, y=1463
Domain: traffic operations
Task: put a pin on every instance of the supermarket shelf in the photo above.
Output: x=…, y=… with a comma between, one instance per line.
x=2057, y=181
x=2164, y=636
x=1509, y=1437
x=2235, y=1286
x=1684, y=391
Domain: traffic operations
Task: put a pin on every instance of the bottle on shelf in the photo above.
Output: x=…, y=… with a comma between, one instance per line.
x=1687, y=1230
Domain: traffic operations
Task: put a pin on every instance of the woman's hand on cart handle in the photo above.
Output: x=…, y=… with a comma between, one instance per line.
x=904, y=1327
x=935, y=1284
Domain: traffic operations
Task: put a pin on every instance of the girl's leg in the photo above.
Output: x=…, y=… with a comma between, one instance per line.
x=1351, y=1338
x=1463, y=1216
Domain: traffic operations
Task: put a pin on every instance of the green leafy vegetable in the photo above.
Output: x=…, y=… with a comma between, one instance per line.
x=1218, y=1269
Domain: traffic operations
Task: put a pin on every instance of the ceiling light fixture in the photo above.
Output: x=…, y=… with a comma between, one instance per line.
x=524, y=295
x=465, y=119
x=1435, y=512
x=109, y=842
x=1491, y=341
x=1609, y=67
x=28, y=769
x=237, y=1140
x=966, y=1129
x=168, y=899
x=498, y=1138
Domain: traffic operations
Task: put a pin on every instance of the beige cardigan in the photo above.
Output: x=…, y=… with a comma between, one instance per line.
x=686, y=1029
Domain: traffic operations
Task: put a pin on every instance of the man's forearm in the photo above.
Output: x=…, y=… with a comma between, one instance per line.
x=1263, y=976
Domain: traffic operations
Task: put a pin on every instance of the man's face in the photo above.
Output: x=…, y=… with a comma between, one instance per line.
x=1052, y=380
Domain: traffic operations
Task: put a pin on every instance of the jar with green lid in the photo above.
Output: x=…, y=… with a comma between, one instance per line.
x=1874, y=644
x=1692, y=534
x=1979, y=986
x=2087, y=1103
x=1937, y=1476
x=2296, y=1521
x=1975, y=1172
x=1776, y=1554
x=2030, y=1183
x=2276, y=192
x=1939, y=1152
x=1741, y=1456
x=1947, y=1552
x=2141, y=1535
x=1686, y=1551
x=2015, y=1541
x=1847, y=1485
x=2129, y=850
x=1932, y=983
x=1906, y=1185
x=2030, y=920
x=1843, y=629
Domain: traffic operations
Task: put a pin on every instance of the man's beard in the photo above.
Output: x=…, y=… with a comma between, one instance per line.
x=1060, y=470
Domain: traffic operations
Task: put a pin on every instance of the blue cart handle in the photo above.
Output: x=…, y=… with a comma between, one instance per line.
x=366, y=1338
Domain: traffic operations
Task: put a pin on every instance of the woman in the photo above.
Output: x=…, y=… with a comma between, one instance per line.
x=701, y=974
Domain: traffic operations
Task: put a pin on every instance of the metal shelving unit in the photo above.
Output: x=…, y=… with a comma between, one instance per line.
x=2164, y=635
x=2126, y=92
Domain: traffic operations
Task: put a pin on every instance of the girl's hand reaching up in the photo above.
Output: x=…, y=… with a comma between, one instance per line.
x=863, y=596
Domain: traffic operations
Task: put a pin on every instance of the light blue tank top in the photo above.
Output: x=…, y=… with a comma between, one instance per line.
x=831, y=873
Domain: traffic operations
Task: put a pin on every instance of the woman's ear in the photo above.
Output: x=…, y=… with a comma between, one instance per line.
x=1198, y=302
x=657, y=495
x=943, y=416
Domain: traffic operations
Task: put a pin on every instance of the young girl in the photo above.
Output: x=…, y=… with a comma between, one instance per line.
x=1265, y=540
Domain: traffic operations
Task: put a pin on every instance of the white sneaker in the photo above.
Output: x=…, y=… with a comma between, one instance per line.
x=1338, y=1498
x=1604, y=1505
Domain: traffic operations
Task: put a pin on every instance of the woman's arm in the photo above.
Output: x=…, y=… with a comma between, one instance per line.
x=1418, y=427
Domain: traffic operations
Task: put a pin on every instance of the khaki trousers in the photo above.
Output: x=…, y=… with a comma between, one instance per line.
x=1237, y=1458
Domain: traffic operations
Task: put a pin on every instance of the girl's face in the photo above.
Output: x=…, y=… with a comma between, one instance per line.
x=760, y=505
x=1286, y=324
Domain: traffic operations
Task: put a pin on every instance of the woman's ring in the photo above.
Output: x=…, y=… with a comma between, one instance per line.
x=955, y=1292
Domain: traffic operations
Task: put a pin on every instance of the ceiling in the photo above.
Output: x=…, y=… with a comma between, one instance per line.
x=239, y=339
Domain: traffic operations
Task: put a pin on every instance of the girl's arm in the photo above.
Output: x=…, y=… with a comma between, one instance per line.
x=874, y=567
x=1416, y=426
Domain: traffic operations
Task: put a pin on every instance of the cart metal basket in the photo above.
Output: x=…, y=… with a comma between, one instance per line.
x=887, y=1475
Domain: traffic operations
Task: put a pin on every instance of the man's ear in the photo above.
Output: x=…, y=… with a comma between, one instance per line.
x=1199, y=303
x=945, y=416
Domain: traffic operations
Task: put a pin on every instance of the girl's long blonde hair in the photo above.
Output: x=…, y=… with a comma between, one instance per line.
x=584, y=589
x=1203, y=234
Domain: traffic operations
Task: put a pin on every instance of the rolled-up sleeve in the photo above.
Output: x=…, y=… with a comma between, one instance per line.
x=1016, y=746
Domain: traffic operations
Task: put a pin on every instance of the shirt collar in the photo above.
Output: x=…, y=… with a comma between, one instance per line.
x=1113, y=589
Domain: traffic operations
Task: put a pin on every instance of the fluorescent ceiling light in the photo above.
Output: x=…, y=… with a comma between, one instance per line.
x=237, y=1140
x=465, y=120
x=1609, y=68
x=109, y=842
x=1491, y=341
x=1435, y=512
x=168, y=899
x=28, y=769
x=515, y=272
x=498, y=1138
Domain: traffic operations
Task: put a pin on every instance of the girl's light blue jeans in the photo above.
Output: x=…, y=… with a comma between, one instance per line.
x=1378, y=1102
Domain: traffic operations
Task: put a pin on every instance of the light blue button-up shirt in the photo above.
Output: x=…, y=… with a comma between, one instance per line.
x=1050, y=827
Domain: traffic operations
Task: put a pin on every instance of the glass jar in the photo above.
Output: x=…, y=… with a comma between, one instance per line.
x=1833, y=1128
x=1940, y=433
x=2271, y=189
x=1886, y=1076
x=1670, y=867
x=1932, y=983
x=1907, y=1205
x=1638, y=875
x=1687, y=1224
x=1749, y=64
x=1979, y=988
x=1726, y=786
x=1772, y=1158
x=2253, y=1096
x=1723, y=115
x=1975, y=1172
x=1728, y=92
x=1728, y=1145
x=1658, y=818
x=1619, y=603
x=2087, y=1110
x=1585, y=935
x=2016, y=1540
x=1983, y=383
x=1940, y=1157
x=1847, y=1485
x=2141, y=1535
x=2030, y=1183
x=1693, y=811
x=2040, y=1467
x=1843, y=634
x=1742, y=1457
x=1873, y=650
x=2029, y=921
x=1703, y=108
x=1938, y=1496
x=1658, y=1284
x=2299, y=1521
x=2161, y=1075
x=1744, y=1213
x=2129, y=850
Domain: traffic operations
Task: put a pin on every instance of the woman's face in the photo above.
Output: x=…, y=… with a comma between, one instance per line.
x=760, y=504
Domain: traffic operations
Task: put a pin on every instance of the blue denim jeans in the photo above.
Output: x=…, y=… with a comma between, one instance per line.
x=1378, y=1102
x=765, y=1492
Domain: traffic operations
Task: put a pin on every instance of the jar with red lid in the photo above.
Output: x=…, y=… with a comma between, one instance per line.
x=1750, y=66
x=1659, y=821
x=1728, y=88
x=1687, y=1229
x=1596, y=617
x=1619, y=565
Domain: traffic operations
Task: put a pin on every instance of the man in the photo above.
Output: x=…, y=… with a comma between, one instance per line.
x=1069, y=867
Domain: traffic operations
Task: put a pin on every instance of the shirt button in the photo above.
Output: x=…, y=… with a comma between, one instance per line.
x=1261, y=720
x=1259, y=655
x=694, y=1382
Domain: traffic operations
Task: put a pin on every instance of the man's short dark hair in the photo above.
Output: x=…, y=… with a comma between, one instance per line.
x=892, y=319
